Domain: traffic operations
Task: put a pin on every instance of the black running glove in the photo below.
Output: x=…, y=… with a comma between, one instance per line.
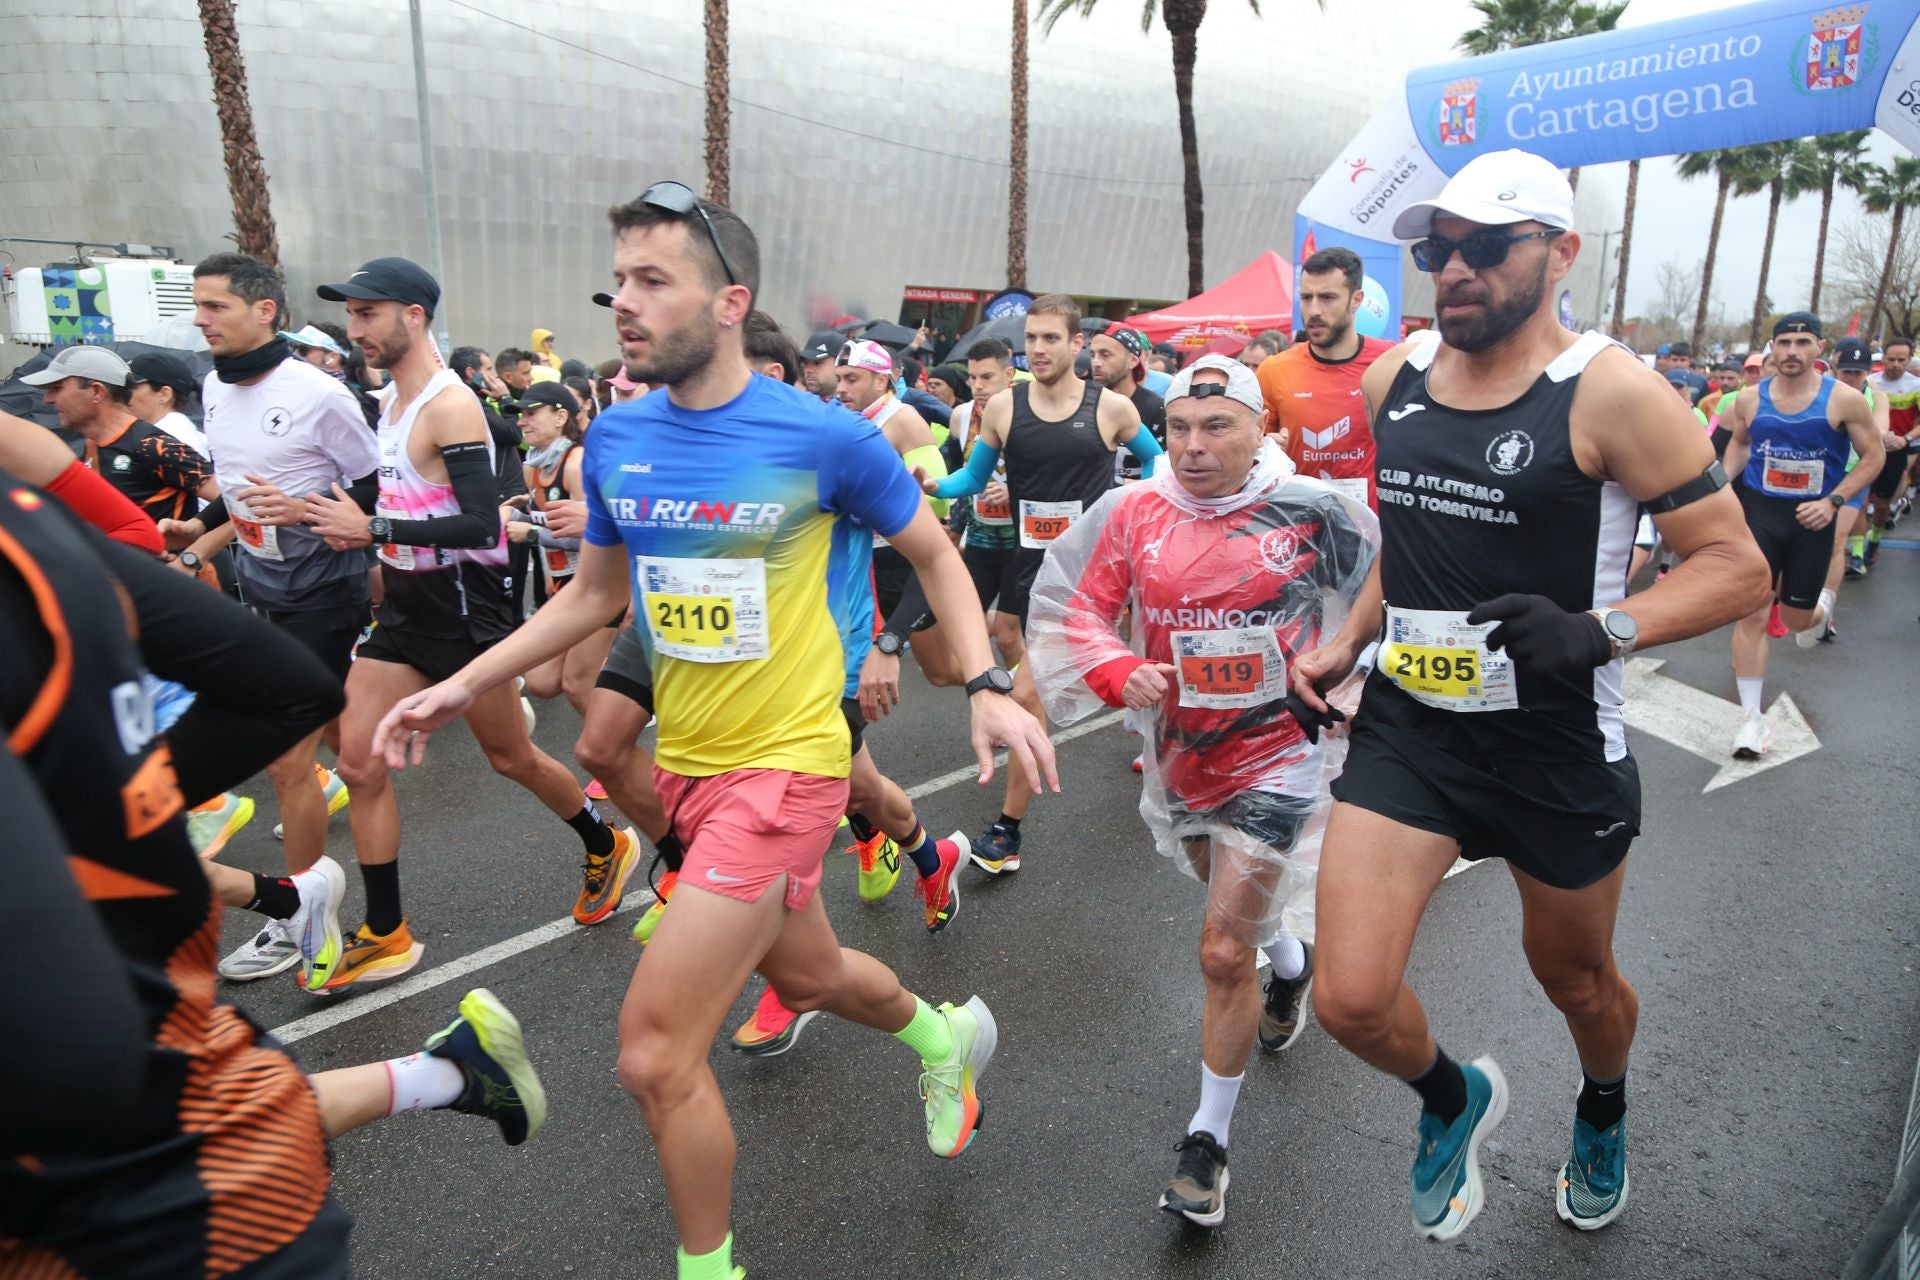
x=1542, y=638
x=1312, y=722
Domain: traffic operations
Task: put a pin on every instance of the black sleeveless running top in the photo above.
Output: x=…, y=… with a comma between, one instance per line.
x=1052, y=461
x=1476, y=504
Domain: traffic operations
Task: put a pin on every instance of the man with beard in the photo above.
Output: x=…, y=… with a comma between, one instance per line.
x=1313, y=390
x=1513, y=458
x=436, y=528
x=716, y=499
x=818, y=372
x=1059, y=434
x=1119, y=365
x=1789, y=448
x=1901, y=389
x=279, y=428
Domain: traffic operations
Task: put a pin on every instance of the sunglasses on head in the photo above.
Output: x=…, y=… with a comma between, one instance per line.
x=678, y=199
x=1479, y=251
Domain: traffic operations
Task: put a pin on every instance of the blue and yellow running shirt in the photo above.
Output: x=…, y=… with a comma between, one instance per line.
x=727, y=517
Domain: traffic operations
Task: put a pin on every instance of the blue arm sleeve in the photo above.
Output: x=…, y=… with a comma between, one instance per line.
x=1144, y=447
x=974, y=476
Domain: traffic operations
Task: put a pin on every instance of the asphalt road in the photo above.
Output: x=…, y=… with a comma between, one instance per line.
x=1769, y=926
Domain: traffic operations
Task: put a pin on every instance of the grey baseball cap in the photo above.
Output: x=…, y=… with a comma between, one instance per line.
x=1242, y=385
x=95, y=364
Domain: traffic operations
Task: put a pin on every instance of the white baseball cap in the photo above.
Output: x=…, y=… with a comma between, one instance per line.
x=1242, y=385
x=95, y=364
x=1496, y=189
x=863, y=354
x=312, y=336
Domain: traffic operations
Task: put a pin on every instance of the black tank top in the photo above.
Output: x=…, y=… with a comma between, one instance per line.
x=1050, y=461
x=1476, y=504
x=224, y=1156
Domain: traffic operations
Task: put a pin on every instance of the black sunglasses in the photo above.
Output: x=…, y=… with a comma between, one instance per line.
x=1479, y=251
x=678, y=199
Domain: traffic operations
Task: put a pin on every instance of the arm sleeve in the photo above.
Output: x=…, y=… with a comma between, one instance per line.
x=214, y=514
x=974, y=476
x=548, y=538
x=71, y=1085
x=365, y=492
x=935, y=463
x=912, y=608
x=106, y=509
x=474, y=486
x=257, y=692
x=1144, y=447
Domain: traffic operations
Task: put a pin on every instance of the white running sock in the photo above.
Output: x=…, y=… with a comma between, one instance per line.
x=1287, y=956
x=1750, y=693
x=1218, y=1094
x=422, y=1082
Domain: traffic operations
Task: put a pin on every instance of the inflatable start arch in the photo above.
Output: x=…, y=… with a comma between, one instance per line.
x=1754, y=73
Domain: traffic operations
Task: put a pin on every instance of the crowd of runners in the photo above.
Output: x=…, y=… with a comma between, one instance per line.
x=1367, y=605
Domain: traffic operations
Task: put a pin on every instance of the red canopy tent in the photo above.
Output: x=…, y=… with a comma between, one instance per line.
x=1258, y=296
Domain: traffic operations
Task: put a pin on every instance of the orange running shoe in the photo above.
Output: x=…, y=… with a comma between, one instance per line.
x=371, y=957
x=771, y=1030
x=605, y=879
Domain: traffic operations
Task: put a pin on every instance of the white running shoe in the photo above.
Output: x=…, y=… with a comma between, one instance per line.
x=526, y=709
x=1754, y=738
x=268, y=952
x=315, y=928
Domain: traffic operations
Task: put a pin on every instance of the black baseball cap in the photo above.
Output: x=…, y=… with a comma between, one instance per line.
x=555, y=393
x=1849, y=354
x=387, y=280
x=602, y=299
x=1797, y=322
x=823, y=344
x=158, y=369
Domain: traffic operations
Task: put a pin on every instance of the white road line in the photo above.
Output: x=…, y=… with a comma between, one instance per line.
x=360, y=1005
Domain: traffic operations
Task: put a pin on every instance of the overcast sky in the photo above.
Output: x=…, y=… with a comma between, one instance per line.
x=1674, y=215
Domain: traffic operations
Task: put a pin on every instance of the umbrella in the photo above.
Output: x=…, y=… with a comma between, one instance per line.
x=1009, y=329
x=888, y=334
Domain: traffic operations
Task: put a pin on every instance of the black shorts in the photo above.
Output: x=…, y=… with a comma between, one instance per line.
x=328, y=634
x=318, y=1253
x=1797, y=556
x=1006, y=575
x=626, y=671
x=1273, y=820
x=856, y=722
x=1893, y=473
x=1565, y=824
x=992, y=570
x=435, y=657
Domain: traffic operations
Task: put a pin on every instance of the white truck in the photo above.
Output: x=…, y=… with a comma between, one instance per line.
x=97, y=300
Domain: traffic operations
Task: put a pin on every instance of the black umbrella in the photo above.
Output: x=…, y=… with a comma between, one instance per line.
x=888, y=334
x=1009, y=329
x=24, y=401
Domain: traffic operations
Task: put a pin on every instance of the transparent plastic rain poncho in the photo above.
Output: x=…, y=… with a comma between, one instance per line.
x=1228, y=591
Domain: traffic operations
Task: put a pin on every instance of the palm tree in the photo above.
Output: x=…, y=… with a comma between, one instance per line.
x=1182, y=20
x=1765, y=166
x=1698, y=164
x=1626, y=249
x=246, y=171
x=1836, y=160
x=719, y=124
x=1892, y=188
x=1017, y=149
x=1512, y=24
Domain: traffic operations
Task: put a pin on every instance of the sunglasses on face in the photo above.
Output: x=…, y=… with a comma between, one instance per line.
x=1479, y=251
x=678, y=199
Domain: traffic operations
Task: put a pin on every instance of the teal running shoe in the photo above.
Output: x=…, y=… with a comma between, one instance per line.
x=1447, y=1192
x=1592, y=1190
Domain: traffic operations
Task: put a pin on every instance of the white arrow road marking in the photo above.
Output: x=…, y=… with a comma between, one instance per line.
x=1701, y=724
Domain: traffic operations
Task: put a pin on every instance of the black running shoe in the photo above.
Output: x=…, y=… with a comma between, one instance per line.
x=1198, y=1191
x=1284, y=1013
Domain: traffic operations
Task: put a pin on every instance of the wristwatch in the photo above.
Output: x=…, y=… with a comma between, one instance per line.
x=380, y=529
x=1621, y=629
x=191, y=560
x=995, y=678
x=889, y=644
x=1837, y=499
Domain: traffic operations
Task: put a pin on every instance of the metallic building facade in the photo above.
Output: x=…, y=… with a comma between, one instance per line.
x=869, y=140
